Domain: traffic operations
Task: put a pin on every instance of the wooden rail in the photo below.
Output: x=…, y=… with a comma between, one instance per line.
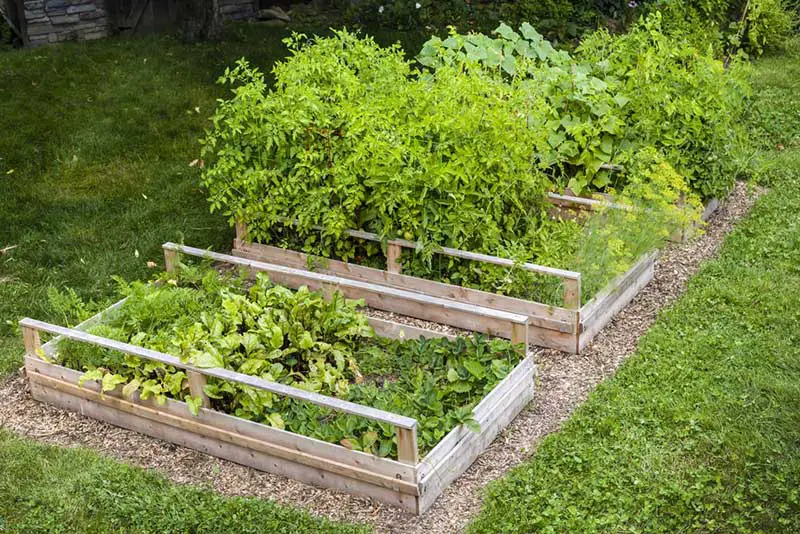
x=468, y=316
x=404, y=426
x=571, y=279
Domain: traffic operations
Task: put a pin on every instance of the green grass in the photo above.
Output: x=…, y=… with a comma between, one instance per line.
x=49, y=489
x=699, y=431
x=94, y=177
x=94, y=162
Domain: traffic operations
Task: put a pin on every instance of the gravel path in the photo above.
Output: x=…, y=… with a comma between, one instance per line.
x=565, y=380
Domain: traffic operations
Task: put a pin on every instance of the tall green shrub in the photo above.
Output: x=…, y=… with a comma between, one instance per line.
x=350, y=138
x=682, y=100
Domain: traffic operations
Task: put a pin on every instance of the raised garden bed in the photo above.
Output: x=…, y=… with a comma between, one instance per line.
x=569, y=327
x=407, y=481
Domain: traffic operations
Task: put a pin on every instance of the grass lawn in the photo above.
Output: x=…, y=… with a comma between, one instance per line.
x=700, y=430
x=94, y=176
x=48, y=489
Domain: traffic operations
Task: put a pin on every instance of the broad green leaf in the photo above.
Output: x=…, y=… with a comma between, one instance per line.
x=130, y=388
x=276, y=421
x=475, y=368
x=452, y=375
x=93, y=374
x=111, y=381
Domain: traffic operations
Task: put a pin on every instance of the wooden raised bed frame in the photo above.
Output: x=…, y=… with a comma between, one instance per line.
x=408, y=481
x=569, y=328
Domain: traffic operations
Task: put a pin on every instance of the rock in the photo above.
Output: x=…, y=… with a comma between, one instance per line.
x=274, y=12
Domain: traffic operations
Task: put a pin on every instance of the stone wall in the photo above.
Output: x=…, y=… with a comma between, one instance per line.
x=51, y=21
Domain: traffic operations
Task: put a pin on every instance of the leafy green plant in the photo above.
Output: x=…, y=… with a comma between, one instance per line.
x=681, y=100
x=575, y=116
x=295, y=338
x=444, y=160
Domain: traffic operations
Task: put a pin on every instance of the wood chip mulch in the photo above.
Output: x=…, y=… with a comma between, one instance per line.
x=564, y=381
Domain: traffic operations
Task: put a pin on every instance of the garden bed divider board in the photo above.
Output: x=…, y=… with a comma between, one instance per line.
x=572, y=207
x=562, y=328
x=476, y=318
x=406, y=482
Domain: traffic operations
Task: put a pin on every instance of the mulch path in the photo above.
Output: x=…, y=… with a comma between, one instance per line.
x=564, y=381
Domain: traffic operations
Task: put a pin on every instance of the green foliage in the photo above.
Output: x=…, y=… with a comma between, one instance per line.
x=442, y=159
x=767, y=25
x=575, y=117
x=458, y=154
x=697, y=431
x=682, y=101
x=295, y=338
x=613, y=240
x=753, y=26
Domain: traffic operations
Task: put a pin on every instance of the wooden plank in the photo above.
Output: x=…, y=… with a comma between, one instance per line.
x=407, y=451
x=615, y=302
x=467, y=450
x=221, y=435
x=393, y=330
x=550, y=338
x=523, y=373
x=310, y=276
x=385, y=466
x=616, y=286
x=31, y=340
x=421, y=306
x=546, y=316
x=572, y=294
x=50, y=346
x=230, y=451
x=466, y=255
x=393, y=253
x=170, y=260
x=581, y=203
x=197, y=383
x=225, y=374
x=519, y=336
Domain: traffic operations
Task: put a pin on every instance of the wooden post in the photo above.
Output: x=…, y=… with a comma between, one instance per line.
x=572, y=293
x=407, y=445
x=241, y=233
x=196, y=383
x=33, y=343
x=328, y=290
x=393, y=252
x=519, y=336
x=171, y=260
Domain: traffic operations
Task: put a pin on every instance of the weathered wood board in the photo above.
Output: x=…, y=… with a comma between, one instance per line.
x=555, y=327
